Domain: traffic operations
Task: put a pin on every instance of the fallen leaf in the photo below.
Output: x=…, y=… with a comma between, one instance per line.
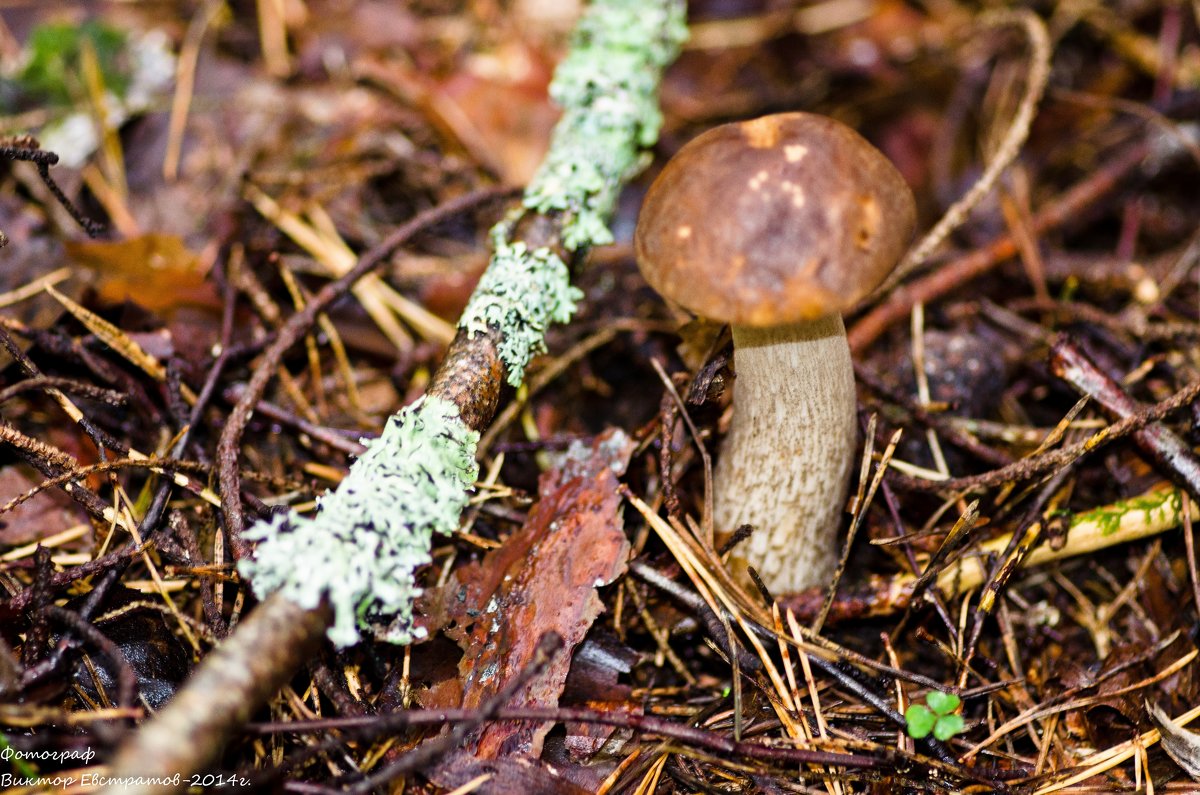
x=543, y=578
x=154, y=271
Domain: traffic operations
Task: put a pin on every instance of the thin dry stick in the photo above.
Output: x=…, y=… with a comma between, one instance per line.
x=706, y=521
x=819, y=621
x=185, y=83
x=1006, y=152
x=1037, y=465
x=698, y=738
x=1190, y=545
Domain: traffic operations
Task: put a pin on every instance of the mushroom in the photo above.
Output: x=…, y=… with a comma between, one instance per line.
x=776, y=226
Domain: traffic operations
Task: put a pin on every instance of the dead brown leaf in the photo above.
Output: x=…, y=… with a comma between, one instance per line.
x=154, y=271
x=543, y=578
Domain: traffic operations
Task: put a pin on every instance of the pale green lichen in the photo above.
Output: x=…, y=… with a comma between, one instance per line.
x=369, y=535
x=607, y=86
x=608, y=89
x=522, y=292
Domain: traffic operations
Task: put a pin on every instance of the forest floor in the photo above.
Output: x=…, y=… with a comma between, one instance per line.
x=1021, y=582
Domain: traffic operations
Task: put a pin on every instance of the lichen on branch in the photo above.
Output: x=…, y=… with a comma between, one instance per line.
x=522, y=292
x=370, y=534
x=608, y=89
x=361, y=549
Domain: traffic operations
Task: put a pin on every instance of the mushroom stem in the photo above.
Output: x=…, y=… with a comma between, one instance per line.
x=785, y=464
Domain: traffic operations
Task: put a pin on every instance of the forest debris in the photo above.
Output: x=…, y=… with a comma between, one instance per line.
x=543, y=578
x=113, y=337
x=596, y=667
x=327, y=139
x=1180, y=744
x=1112, y=756
x=499, y=776
x=1171, y=455
x=1156, y=511
x=155, y=270
x=1067, y=206
x=384, y=304
x=145, y=644
x=42, y=517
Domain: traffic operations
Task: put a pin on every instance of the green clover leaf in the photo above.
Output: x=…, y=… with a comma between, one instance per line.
x=947, y=726
x=938, y=718
x=920, y=721
x=942, y=703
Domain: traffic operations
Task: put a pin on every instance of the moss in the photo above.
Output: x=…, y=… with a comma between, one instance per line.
x=52, y=72
x=1109, y=517
x=368, y=537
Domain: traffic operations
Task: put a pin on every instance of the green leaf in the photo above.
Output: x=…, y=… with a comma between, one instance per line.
x=920, y=721
x=942, y=703
x=947, y=726
x=54, y=52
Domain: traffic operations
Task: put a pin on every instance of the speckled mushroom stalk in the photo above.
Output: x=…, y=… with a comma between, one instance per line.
x=777, y=226
x=785, y=463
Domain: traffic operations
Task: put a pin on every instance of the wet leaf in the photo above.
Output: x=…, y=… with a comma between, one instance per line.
x=543, y=578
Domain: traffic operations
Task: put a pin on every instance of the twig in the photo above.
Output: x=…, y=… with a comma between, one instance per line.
x=1037, y=465
x=941, y=423
x=27, y=149
x=1006, y=152
x=1171, y=455
x=860, y=512
x=648, y=724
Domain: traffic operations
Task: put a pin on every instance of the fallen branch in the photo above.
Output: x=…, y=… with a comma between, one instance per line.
x=1149, y=514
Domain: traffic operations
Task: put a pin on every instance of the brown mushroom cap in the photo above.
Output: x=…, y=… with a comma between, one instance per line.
x=773, y=221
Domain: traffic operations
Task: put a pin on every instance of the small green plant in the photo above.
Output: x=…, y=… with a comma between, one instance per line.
x=54, y=55
x=938, y=717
